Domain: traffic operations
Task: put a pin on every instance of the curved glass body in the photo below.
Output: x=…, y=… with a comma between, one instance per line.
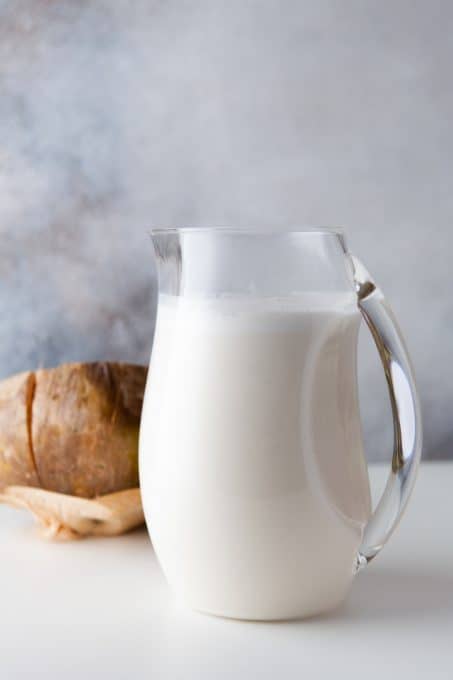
x=252, y=470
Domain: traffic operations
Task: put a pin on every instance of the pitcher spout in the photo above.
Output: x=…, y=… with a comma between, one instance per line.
x=168, y=257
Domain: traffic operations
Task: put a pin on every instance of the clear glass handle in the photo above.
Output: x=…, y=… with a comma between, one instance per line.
x=405, y=410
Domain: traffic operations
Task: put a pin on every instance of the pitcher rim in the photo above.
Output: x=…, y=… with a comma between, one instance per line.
x=250, y=231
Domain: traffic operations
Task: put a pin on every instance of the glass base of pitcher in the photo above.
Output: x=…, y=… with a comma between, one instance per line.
x=260, y=616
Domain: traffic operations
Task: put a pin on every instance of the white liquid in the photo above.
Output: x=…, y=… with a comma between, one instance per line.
x=251, y=467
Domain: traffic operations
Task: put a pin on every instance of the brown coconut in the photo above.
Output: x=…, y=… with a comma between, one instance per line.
x=85, y=421
x=72, y=430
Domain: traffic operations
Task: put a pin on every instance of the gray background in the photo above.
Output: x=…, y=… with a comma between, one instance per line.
x=116, y=116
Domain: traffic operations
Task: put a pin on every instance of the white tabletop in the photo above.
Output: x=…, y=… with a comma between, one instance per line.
x=100, y=609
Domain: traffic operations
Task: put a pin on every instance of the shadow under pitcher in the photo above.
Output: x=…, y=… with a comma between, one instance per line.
x=252, y=471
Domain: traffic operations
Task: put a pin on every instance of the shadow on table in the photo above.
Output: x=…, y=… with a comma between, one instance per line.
x=377, y=594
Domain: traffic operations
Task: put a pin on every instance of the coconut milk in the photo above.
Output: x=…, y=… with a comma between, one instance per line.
x=251, y=466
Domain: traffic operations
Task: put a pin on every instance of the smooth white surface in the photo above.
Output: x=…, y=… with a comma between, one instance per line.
x=101, y=609
x=250, y=515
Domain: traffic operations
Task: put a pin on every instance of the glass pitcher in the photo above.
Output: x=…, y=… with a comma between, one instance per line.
x=252, y=472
